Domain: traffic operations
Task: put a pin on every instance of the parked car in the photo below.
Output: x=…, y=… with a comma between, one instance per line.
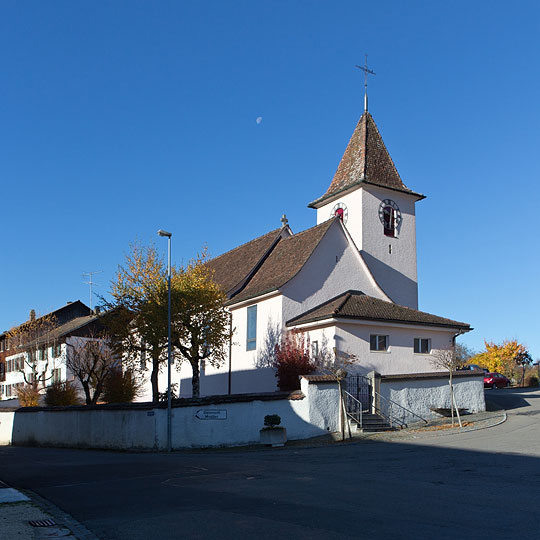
x=495, y=380
x=473, y=367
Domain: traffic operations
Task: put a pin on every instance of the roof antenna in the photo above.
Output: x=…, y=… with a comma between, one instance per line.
x=88, y=275
x=284, y=221
x=366, y=71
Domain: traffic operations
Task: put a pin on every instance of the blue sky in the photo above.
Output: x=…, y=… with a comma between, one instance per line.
x=119, y=118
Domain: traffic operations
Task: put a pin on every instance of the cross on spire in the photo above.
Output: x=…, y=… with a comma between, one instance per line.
x=367, y=72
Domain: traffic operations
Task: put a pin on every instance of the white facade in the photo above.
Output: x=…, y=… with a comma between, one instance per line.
x=54, y=365
x=334, y=267
x=392, y=260
x=352, y=338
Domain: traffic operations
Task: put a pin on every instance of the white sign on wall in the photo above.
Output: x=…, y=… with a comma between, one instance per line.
x=211, y=414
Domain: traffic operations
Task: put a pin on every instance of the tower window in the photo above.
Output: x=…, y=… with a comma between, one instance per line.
x=389, y=221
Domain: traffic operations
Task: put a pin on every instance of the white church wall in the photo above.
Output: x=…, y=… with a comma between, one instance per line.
x=400, y=358
x=207, y=423
x=353, y=202
x=248, y=370
x=332, y=269
x=422, y=394
x=392, y=260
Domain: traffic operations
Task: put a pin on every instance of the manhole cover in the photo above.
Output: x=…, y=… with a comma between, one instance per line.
x=42, y=523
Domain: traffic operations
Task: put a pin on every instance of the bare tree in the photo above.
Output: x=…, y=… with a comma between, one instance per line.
x=448, y=360
x=33, y=338
x=91, y=360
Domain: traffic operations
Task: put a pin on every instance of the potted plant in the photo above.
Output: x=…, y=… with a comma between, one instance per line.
x=272, y=434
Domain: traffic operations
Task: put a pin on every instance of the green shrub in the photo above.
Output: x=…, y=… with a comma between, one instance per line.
x=62, y=394
x=121, y=387
x=272, y=420
x=531, y=380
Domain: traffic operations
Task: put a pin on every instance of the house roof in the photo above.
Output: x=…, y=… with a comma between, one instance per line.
x=366, y=160
x=65, y=329
x=62, y=314
x=231, y=268
x=359, y=306
x=284, y=261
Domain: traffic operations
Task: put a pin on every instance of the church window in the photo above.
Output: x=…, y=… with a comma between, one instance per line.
x=378, y=343
x=314, y=349
x=422, y=346
x=251, y=343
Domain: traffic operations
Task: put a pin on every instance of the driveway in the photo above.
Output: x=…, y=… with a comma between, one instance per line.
x=480, y=484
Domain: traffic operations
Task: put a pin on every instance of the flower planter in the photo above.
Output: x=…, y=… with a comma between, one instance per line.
x=276, y=436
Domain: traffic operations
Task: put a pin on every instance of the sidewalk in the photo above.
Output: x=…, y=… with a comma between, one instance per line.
x=25, y=516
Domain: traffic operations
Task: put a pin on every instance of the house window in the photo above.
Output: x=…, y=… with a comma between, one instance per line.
x=314, y=349
x=57, y=350
x=2, y=346
x=422, y=346
x=251, y=343
x=31, y=378
x=378, y=343
x=57, y=375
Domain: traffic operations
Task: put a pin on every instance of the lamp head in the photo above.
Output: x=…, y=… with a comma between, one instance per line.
x=161, y=232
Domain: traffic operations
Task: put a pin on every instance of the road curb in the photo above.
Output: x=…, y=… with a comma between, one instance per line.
x=78, y=529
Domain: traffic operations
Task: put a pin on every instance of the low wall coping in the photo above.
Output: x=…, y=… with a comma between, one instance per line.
x=176, y=403
x=432, y=375
x=320, y=377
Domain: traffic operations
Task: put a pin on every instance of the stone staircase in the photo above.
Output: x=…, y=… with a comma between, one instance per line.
x=371, y=423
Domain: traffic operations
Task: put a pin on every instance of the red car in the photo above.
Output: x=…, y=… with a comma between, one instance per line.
x=495, y=380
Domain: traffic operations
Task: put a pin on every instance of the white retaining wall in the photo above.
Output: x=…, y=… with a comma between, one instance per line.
x=206, y=425
x=422, y=394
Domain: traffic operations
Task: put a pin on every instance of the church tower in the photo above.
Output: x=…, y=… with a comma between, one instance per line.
x=378, y=211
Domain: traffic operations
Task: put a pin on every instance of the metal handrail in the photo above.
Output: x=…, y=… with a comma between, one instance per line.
x=350, y=415
x=401, y=407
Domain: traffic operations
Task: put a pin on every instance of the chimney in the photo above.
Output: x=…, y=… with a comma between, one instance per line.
x=32, y=315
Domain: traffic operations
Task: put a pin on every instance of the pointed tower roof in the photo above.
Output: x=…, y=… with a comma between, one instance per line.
x=365, y=161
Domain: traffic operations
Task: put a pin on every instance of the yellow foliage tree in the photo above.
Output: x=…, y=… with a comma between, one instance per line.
x=137, y=315
x=505, y=358
x=200, y=322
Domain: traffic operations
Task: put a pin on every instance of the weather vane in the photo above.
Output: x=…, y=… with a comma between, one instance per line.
x=367, y=72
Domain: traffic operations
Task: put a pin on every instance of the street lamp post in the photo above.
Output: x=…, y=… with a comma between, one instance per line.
x=168, y=235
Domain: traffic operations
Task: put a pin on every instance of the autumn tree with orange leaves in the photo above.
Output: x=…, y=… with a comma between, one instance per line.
x=507, y=358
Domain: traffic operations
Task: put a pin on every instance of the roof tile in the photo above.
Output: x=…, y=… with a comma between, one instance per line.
x=357, y=305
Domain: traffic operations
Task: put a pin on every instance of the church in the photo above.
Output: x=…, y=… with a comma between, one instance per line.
x=349, y=283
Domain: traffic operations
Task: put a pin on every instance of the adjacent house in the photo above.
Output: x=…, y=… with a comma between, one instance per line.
x=45, y=354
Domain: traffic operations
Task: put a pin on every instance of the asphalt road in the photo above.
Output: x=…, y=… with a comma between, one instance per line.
x=481, y=484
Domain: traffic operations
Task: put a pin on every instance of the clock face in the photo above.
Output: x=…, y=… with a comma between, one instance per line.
x=340, y=210
x=389, y=214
